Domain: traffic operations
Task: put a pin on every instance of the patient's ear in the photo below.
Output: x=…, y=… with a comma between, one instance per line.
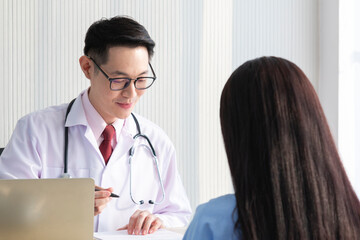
x=86, y=66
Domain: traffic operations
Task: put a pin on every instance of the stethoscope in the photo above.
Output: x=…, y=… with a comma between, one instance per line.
x=150, y=148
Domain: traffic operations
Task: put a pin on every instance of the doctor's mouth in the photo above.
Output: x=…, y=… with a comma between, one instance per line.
x=125, y=105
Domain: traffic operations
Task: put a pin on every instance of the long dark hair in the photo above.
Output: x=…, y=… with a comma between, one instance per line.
x=287, y=174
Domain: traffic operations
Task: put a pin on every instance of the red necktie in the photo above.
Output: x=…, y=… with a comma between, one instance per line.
x=105, y=146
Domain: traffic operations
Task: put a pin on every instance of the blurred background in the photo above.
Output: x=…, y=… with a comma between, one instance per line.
x=198, y=45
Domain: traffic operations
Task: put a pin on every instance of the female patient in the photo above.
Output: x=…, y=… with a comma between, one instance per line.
x=288, y=179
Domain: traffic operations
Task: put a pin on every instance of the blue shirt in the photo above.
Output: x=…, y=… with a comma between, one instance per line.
x=214, y=220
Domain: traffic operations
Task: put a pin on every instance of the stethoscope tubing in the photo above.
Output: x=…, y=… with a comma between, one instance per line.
x=131, y=154
x=66, y=142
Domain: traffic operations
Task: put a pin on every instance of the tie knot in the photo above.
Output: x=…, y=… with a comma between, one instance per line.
x=108, y=132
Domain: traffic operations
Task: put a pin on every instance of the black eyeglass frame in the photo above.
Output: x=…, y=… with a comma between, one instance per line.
x=124, y=78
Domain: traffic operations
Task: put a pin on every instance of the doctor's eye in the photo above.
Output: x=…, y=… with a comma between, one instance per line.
x=144, y=82
x=119, y=83
x=141, y=81
x=120, y=80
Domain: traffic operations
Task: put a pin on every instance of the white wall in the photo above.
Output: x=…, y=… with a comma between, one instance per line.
x=339, y=83
x=283, y=28
x=329, y=62
x=349, y=88
x=199, y=44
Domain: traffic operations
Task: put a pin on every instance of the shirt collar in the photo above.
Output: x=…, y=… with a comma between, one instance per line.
x=94, y=119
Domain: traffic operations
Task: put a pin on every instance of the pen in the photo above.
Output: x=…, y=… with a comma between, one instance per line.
x=111, y=195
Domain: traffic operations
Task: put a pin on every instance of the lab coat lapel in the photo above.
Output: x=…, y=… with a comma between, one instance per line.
x=77, y=117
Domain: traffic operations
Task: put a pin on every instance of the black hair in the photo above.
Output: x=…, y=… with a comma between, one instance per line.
x=116, y=31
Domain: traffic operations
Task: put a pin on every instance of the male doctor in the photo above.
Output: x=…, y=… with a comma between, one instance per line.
x=101, y=131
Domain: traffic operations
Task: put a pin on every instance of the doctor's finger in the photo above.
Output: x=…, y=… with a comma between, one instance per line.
x=123, y=228
x=158, y=223
x=147, y=223
x=110, y=189
x=102, y=194
x=101, y=201
x=100, y=204
x=132, y=221
x=99, y=209
x=136, y=221
x=140, y=222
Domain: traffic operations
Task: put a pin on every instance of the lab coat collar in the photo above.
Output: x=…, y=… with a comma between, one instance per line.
x=130, y=127
x=77, y=114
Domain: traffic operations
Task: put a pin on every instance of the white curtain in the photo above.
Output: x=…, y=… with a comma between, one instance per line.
x=349, y=89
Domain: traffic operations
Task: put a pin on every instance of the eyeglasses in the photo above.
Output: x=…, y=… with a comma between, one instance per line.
x=117, y=84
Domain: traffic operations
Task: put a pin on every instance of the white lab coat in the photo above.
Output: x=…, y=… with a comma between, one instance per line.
x=36, y=150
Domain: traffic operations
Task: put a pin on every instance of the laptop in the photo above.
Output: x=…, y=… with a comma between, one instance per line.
x=47, y=209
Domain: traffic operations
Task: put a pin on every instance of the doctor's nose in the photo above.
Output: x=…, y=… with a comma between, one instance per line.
x=130, y=91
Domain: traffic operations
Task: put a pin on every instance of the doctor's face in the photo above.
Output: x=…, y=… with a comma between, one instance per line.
x=123, y=62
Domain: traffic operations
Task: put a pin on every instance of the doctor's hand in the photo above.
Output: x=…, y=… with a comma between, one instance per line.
x=143, y=222
x=102, y=197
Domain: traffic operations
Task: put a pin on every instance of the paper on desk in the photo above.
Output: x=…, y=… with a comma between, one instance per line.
x=161, y=234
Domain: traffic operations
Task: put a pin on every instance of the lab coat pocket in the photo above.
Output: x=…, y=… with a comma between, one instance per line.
x=56, y=172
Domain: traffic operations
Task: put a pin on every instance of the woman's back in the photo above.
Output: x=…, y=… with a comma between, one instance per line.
x=214, y=220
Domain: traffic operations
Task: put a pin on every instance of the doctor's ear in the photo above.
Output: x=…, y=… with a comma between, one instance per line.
x=86, y=66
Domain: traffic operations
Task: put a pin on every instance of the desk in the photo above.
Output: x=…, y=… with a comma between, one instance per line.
x=180, y=230
x=161, y=234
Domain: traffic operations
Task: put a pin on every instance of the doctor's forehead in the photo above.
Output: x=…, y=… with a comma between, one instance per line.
x=125, y=60
x=124, y=52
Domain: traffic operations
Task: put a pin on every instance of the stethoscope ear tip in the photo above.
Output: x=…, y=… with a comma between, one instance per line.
x=151, y=202
x=141, y=201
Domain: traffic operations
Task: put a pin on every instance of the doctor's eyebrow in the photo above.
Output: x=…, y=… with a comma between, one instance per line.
x=117, y=73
